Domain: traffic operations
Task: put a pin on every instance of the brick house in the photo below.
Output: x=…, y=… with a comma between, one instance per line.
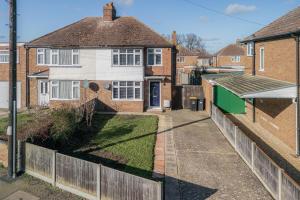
x=4, y=75
x=268, y=92
x=233, y=56
x=119, y=61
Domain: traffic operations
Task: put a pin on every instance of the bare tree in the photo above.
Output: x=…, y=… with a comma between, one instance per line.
x=190, y=41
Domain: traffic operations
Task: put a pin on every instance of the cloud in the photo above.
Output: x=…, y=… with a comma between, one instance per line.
x=239, y=8
x=126, y=2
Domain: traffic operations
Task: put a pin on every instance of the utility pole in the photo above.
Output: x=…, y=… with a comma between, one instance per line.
x=11, y=130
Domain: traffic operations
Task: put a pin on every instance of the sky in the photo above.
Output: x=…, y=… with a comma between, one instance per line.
x=217, y=22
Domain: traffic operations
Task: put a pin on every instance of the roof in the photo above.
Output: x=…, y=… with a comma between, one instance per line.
x=182, y=51
x=213, y=76
x=95, y=32
x=286, y=24
x=41, y=74
x=247, y=86
x=203, y=54
x=231, y=50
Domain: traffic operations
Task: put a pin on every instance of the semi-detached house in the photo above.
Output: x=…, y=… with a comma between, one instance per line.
x=118, y=60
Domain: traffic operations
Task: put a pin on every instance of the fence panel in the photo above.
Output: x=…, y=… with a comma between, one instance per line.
x=219, y=119
x=118, y=185
x=244, y=146
x=40, y=162
x=229, y=130
x=267, y=171
x=213, y=112
x=289, y=189
x=77, y=174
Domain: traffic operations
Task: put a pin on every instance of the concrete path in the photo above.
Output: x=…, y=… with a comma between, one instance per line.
x=201, y=164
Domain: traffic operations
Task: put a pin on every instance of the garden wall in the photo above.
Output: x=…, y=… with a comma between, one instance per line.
x=275, y=180
x=87, y=179
x=3, y=153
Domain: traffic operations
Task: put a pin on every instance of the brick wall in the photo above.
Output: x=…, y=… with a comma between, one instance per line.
x=208, y=95
x=226, y=61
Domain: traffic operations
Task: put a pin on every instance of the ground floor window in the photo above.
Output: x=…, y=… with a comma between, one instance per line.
x=127, y=90
x=65, y=90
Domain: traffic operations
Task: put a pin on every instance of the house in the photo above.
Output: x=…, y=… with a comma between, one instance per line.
x=4, y=76
x=119, y=61
x=231, y=56
x=265, y=99
x=204, y=59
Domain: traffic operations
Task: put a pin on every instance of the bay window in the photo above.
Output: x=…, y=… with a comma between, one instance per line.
x=65, y=90
x=154, y=57
x=127, y=57
x=127, y=90
x=58, y=57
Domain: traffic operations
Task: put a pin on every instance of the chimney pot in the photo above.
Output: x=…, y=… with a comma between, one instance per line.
x=109, y=12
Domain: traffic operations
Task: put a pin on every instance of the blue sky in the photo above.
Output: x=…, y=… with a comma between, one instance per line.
x=38, y=17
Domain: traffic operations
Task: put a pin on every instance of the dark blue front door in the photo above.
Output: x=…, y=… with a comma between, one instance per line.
x=155, y=94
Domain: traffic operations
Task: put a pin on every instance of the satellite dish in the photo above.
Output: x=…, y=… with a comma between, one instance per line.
x=107, y=86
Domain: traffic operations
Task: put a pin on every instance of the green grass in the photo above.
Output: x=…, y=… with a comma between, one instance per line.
x=131, y=137
x=22, y=118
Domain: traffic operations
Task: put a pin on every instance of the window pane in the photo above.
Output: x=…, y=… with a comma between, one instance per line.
x=137, y=60
x=150, y=50
x=137, y=83
x=137, y=51
x=150, y=59
x=40, y=59
x=122, y=83
x=129, y=50
x=65, y=89
x=115, y=93
x=122, y=50
x=158, y=59
x=122, y=59
x=76, y=92
x=137, y=93
x=75, y=59
x=115, y=50
x=54, y=91
x=129, y=59
x=65, y=57
x=115, y=59
x=123, y=93
x=129, y=92
x=115, y=83
x=130, y=83
x=47, y=56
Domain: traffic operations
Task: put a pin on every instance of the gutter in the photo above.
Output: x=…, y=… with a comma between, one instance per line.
x=272, y=37
x=27, y=78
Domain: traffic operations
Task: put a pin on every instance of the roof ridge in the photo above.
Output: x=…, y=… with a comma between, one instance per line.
x=62, y=28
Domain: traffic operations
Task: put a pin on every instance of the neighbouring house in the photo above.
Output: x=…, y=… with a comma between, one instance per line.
x=231, y=56
x=119, y=61
x=4, y=76
x=204, y=59
x=265, y=99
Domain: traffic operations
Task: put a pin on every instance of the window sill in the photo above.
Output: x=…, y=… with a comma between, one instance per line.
x=64, y=99
x=128, y=100
x=154, y=65
x=127, y=66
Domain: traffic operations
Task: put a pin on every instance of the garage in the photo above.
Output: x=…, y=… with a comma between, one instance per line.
x=4, y=94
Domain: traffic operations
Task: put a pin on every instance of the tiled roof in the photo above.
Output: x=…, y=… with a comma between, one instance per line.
x=231, y=50
x=95, y=32
x=286, y=24
x=182, y=51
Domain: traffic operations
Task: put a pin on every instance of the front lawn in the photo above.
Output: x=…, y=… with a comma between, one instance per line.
x=123, y=141
x=22, y=118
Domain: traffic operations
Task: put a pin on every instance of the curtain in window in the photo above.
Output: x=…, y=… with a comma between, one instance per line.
x=65, y=89
x=65, y=57
x=47, y=56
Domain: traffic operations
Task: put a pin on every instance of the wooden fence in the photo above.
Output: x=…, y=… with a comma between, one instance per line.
x=87, y=179
x=275, y=180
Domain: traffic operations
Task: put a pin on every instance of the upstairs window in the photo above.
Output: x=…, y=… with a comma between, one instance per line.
x=154, y=57
x=127, y=57
x=236, y=59
x=180, y=59
x=4, y=56
x=58, y=57
x=262, y=59
x=250, y=49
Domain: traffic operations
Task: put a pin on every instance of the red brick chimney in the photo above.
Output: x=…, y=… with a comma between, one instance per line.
x=109, y=12
x=174, y=38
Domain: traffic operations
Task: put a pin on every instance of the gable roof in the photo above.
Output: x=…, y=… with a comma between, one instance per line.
x=182, y=51
x=95, y=32
x=231, y=50
x=289, y=23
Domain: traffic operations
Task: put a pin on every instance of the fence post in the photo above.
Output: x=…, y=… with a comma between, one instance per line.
x=252, y=155
x=280, y=183
x=99, y=182
x=54, y=168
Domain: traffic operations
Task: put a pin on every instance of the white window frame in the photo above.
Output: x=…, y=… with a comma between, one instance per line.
x=75, y=52
x=74, y=84
x=262, y=59
x=250, y=48
x=155, y=52
x=117, y=52
x=180, y=59
x=134, y=87
x=236, y=59
x=7, y=54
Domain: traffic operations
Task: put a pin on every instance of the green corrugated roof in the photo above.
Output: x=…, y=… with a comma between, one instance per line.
x=247, y=84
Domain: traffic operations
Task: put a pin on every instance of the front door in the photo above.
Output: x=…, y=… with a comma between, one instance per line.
x=155, y=94
x=43, y=92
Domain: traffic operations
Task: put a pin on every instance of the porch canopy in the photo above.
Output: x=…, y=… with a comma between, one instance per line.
x=42, y=74
x=247, y=86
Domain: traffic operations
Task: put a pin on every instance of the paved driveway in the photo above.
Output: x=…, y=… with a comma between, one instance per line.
x=201, y=164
